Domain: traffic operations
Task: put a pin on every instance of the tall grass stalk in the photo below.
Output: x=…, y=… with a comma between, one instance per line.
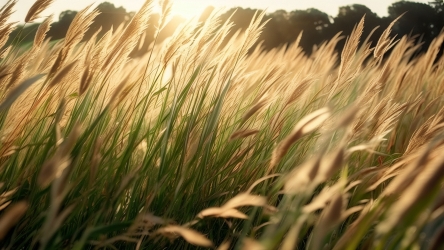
x=207, y=142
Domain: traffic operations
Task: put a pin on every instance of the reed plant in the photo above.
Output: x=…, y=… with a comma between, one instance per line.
x=205, y=142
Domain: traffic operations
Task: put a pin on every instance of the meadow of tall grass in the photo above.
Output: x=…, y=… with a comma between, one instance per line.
x=207, y=143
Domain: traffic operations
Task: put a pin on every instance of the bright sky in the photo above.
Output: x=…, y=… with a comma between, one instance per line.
x=189, y=8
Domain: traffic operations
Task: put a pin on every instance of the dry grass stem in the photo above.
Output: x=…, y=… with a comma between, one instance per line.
x=41, y=32
x=11, y=216
x=38, y=7
x=212, y=136
x=17, y=91
x=384, y=42
x=303, y=127
x=190, y=235
x=243, y=133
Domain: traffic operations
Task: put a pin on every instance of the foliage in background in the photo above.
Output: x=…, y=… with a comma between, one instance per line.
x=420, y=21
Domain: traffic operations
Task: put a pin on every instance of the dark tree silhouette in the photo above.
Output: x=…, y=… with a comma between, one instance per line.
x=281, y=18
x=349, y=16
x=425, y=21
x=277, y=30
x=438, y=5
x=110, y=16
x=313, y=23
x=241, y=19
x=58, y=29
x=419, y=19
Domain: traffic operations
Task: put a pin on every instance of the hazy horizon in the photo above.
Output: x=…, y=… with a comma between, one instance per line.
x=189, y=8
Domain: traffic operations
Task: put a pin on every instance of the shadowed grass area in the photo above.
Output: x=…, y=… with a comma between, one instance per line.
x=206, y=143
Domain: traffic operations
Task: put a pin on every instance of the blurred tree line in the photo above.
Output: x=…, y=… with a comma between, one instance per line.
x=422, y=21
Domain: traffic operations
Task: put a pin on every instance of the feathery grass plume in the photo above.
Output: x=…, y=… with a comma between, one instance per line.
x=183, y=35
x=5, y=197
x=431, y=128
x=405, y=171
x=77, y=29
x=351, y=236
x=388, y=118
x=301, y=179
x=54, y=219
x=130, y=36
x=329, y=165
x=350, y=48
x=61, y=74
x=4, y=53
x=245, y=199
x=54, y=167
x=214, y=48
x=328, y=220
x=300, y=89
x=165, y=124
x=18, y=70
x=190, y=235
x=4, y=72
x=12, y=216
x=5, y=14
x=321, y=200
x=365, y=100
x=259, y=104
x=243, y=133
x=100, y=50
x=347, y=118
x=257, y=182
x=17, y=91
x=95, y=161
x=58, y=117
x=420, y=193
x=253, y=31
x=306, y=125
x=119, y=93
x=61, y=57
x=429, y=59
x=207, y=36
x=41, y=32
x=224, y=246
x=251, y=244
x=6, y=11
x=4, y=205
x=349, y=51
x=5, y=31
x=385, y=42
x=166, y=7
x=289, y=243
x=74, y=35
x=88, y=72
x=86, y=79
x=229, y=208
x=412, y=165
x=36, y=9
x=221, y=212
x=8, y=150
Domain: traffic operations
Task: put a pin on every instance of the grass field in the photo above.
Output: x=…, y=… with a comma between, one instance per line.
x=206, y=144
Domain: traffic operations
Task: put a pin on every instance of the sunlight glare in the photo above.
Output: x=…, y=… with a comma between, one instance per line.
x=188, y=9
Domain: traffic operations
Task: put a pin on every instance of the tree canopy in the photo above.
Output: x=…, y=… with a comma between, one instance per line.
x=423, y=21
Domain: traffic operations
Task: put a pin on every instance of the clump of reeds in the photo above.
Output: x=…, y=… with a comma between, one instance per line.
x=36, y=9
x=212, y=142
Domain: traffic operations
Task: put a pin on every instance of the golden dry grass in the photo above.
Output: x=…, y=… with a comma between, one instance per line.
x=357, y=136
